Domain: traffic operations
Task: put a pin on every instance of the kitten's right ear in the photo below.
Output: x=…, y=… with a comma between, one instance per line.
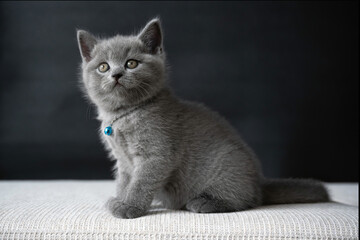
x=86, y=43
x=151, y=36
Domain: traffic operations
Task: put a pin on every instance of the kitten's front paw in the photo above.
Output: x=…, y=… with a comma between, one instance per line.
x=120, y=209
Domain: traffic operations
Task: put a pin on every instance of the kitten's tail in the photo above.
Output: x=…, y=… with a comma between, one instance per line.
x=281, y=191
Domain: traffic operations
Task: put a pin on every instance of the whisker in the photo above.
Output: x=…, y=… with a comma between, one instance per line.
x=145, y=91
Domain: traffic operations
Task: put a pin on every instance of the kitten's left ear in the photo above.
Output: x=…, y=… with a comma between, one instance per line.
x=151, y=36
x=86, y=43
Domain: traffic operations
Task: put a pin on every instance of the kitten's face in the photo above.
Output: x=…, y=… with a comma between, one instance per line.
x=123, y=70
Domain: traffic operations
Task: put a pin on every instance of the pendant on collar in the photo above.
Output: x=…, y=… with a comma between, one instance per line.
x=108, y=130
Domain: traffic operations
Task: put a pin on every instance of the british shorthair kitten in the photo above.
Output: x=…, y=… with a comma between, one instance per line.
x=178, y=152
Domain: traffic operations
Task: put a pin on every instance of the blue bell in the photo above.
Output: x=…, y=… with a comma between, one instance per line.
x=108, y=130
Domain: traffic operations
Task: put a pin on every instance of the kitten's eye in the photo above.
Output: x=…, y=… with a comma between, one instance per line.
x=131, y=64
x=103, y=67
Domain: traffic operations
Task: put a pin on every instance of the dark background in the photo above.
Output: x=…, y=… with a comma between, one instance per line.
x=285, y=74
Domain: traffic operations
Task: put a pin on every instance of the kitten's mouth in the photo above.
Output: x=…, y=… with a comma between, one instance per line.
x=117, y=84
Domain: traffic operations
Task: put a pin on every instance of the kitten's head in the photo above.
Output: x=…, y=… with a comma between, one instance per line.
x=123, y=70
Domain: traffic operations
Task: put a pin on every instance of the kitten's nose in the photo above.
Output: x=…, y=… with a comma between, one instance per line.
x=117, y=76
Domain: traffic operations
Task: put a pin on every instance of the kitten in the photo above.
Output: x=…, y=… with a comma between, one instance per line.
x=168, y=149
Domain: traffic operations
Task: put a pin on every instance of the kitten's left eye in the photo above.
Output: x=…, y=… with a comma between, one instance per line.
x=103, y=67
x=131, y=64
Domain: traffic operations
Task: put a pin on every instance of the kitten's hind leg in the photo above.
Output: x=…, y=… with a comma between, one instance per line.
x=207, y=204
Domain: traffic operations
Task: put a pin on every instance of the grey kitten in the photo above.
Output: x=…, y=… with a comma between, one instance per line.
x=175, y=151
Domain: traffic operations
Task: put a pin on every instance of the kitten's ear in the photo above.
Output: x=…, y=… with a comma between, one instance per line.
x=151, y=36
x=86, y=43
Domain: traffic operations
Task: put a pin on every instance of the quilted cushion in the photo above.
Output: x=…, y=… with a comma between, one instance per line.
x=75, y=210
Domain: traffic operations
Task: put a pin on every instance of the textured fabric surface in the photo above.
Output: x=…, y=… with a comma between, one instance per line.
x=75, y=210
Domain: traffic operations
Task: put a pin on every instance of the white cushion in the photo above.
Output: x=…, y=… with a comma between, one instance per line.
x=347, y=193
x=75, y=210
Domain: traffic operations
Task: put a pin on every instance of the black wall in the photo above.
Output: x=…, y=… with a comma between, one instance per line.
x=285, y=74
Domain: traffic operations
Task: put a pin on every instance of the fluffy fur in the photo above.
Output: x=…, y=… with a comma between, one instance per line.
x=168, y=149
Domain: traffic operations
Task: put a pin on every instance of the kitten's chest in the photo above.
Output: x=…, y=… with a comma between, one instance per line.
x=123, y=142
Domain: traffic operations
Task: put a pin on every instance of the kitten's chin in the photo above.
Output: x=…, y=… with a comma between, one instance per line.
x=118, y=95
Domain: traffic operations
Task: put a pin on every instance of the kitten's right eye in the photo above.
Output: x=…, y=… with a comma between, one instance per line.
x=103, y=67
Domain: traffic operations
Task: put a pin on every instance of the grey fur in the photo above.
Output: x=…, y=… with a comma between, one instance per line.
x=175, y=151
